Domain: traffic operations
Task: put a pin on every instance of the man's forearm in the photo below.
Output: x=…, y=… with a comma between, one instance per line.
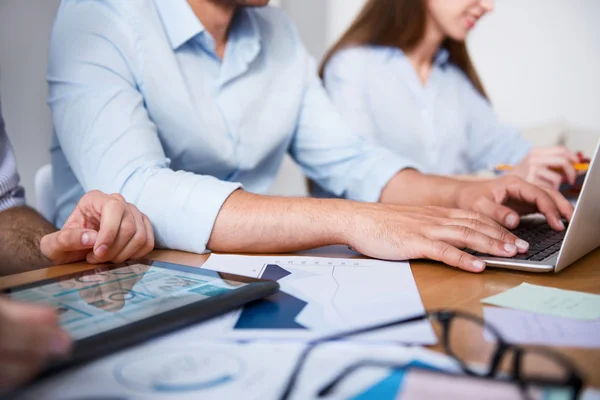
x=21, y=229
x=249, y=223
x=411, y=188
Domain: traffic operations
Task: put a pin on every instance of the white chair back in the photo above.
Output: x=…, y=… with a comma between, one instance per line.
x=44, y=192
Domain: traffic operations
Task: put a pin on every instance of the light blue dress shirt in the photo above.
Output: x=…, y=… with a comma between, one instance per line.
x=11, y=193
x=444, y=127
x=143, y=106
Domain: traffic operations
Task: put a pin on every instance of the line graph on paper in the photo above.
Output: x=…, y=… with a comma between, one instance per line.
x=321, y=296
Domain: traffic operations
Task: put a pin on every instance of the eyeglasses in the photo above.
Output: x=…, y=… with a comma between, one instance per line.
x=528, y=368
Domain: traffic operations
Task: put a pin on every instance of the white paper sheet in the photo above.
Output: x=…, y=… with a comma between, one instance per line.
x=182, y=367
x=530, y=328
x=324, y=296
x=177, y=368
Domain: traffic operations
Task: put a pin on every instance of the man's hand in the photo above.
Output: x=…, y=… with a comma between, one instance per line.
x=506, y=198
x=404, y=233
x=29, y=336
x=102, y=228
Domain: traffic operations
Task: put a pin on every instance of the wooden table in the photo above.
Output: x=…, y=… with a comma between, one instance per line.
x=440, y=287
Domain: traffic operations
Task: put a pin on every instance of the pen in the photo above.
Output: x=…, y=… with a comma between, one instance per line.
x=580, y=167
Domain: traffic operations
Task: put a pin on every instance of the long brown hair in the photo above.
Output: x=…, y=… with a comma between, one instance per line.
x=399, y=23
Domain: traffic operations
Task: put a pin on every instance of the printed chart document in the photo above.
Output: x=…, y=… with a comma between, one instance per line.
x=530, y=328
x=321, y=296
x=176, y=368
x=548, y=300
x=179, y=368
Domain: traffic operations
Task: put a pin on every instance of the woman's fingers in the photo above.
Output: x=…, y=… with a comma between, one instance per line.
x=563, y=165
x=549, y=176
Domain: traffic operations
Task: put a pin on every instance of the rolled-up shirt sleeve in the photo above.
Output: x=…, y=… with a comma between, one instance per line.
x=11, y=193
x=106, y=133
x=341, y=157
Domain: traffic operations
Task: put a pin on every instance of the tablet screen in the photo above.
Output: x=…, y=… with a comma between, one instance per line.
x=99, y=300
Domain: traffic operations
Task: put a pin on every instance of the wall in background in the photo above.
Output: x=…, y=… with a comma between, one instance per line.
x=540, y=61
x=24, y=33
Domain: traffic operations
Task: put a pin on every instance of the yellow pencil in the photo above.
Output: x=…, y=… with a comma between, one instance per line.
x=580, y=167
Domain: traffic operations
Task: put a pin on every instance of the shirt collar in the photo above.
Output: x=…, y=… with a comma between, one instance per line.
x=243, y=45
x=442, y=57
x=245, y=30
x=179, y=21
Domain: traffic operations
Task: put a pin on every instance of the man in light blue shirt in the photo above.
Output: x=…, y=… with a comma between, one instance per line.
x=179, y=104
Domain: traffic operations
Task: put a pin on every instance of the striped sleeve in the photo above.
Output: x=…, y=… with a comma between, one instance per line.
x=11, y=193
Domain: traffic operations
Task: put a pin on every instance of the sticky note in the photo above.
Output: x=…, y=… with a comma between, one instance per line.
x=550, y=301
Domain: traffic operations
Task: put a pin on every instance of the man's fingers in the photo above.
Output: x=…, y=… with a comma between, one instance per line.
x=110, y=226
x=468, y=214
x=531, y=194
x=497, y=232
x=56, y=244
x=564, y=206
x=499, y=213
x=443, y=252
x=149, y=245
x=463, y=236
x=137, y=242
x=127, y=231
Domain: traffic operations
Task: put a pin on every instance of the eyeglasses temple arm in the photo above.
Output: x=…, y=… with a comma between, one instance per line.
x=311, y=345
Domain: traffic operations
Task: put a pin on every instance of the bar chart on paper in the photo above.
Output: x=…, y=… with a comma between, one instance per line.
x=320, y=296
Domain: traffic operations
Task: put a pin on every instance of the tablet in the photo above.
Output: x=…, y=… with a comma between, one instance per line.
x=113, y=307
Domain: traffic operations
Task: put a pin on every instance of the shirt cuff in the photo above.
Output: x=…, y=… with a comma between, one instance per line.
x=381, y=170
x=188, y=222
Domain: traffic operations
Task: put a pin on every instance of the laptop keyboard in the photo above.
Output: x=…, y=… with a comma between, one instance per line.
x=543, y=241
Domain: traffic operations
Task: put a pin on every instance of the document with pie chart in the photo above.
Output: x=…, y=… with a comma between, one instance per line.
x=321, y=296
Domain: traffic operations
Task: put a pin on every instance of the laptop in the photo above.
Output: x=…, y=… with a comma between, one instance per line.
x=554, y=251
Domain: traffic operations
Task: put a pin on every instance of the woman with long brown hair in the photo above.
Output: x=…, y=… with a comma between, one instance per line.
x=402, y=75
